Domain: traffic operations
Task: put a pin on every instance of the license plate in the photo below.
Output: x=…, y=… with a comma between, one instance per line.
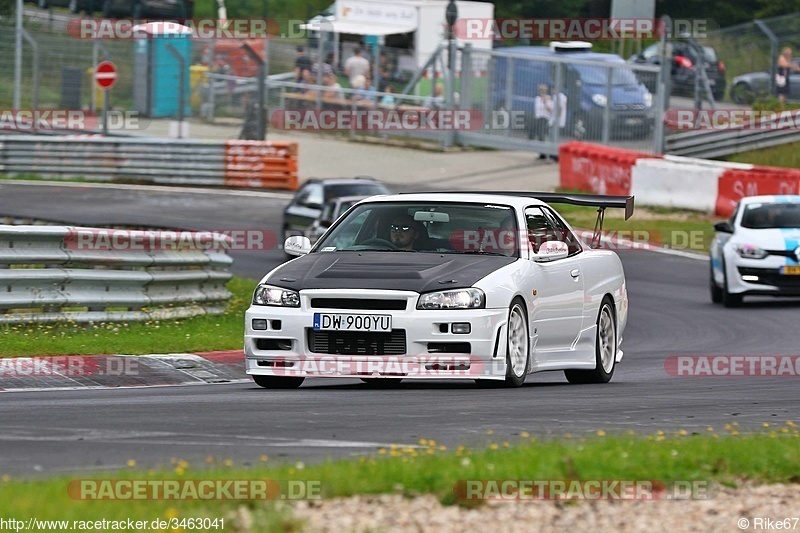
x=790, y=271
x=633, y=121
x=345, y=322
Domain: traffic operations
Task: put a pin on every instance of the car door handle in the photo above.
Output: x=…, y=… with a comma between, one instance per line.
x=574, y=272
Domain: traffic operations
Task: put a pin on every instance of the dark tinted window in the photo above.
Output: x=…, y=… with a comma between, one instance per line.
x=765, y=216
x=355, y=189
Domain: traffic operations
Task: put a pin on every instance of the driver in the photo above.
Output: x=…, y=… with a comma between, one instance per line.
x=404, y=232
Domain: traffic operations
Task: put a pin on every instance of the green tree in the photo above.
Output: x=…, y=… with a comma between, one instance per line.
x=7, y=8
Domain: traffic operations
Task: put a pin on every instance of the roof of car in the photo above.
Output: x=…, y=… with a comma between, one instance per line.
x=354, y=179
x=545, y=51
x=769, y=199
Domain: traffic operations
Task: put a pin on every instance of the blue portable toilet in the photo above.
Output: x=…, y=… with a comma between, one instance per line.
x=157, y=71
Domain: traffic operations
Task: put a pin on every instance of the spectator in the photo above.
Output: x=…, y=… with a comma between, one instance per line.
x=385, y=69
x=307, y=79
x=436, y=101
x=404, y=232
x=782, y=74
x=302, y=61
x=333, y=90
x=388, y=99
x=356, y=65
x=543, y=106
x=364, y=89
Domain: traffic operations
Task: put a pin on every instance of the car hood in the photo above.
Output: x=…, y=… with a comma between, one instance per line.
x=769, y=239
x=420, y=272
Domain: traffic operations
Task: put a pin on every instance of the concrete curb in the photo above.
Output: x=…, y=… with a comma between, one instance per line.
x=120, y=371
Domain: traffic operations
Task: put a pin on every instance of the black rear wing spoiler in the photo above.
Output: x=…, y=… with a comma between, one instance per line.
x=600, y=201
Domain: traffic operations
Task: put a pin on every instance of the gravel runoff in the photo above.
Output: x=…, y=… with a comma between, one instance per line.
x=722, y=512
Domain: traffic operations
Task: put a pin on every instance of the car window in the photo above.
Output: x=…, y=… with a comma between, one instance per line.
x=442, y=227
x=540, y=229
x=771, y=215
x=313, y=196
x=599, y=75
x=563, y=233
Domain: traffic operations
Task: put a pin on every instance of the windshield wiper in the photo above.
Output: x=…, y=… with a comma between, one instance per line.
x=476, y=252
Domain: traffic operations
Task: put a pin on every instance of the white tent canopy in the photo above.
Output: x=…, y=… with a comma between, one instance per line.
x=358, y=28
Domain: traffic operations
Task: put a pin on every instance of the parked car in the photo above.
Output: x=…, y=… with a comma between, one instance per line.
x=757, y=251
x=307, y=204
x=140, y=9
x=747, y=87
x=480, y=286
x=584, y=85
x=683, y=70
x=333, y=209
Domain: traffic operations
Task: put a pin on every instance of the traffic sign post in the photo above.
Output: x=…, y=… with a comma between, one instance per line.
x=105, y=75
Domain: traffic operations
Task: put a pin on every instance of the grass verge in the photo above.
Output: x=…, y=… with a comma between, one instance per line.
x=429, y=468
x=203, y=333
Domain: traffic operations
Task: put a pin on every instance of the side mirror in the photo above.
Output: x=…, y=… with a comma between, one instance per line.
x=723, y=227
x=550, y=251
x=297, y=245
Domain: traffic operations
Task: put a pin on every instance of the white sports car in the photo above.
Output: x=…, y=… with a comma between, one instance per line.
x=483, y=286
x=757, y=251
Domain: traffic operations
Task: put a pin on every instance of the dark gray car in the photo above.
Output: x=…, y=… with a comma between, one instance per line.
x=307, y=204
x=747, y=87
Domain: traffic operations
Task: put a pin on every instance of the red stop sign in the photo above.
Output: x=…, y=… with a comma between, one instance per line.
x=105, y=74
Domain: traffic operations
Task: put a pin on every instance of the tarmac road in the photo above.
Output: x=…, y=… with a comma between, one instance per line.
x=670, y=314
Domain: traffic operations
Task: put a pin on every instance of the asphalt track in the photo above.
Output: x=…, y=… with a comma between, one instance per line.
x=671, y=314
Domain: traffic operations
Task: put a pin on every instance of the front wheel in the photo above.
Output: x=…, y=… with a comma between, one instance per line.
x=278, y=382
x=605, y=349
x=517, y=346
x=729, y=299
x=716, y=292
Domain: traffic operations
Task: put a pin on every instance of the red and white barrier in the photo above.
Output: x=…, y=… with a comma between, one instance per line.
x=670, y=181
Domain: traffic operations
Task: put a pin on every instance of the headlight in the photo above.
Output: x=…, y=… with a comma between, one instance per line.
x=459, y=299
x=750, y=252
x=269, y=295
x=648, y=99
x=600, y=99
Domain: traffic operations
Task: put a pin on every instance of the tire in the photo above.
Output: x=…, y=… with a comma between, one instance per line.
x=278, y=382
x=605, y=349
x=518, y=353
x=382, y=383
x=716, y=292
x=742, y=93
x=729, y=300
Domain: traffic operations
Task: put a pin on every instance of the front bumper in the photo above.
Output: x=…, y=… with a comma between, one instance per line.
x=420, y=346
x=760, y=276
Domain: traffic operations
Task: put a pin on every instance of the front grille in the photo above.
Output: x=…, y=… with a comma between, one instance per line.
x=358, y=303
x=783, y=253
x=357, y=342
x=771, y=276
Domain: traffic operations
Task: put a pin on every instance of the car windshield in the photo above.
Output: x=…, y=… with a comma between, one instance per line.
x=354, y=189
x=599, y=75
x=771, y=216
x=442, y=227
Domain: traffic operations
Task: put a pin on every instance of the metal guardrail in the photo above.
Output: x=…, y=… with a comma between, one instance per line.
x=162, y=161
x=717, y=143
x=47, y=275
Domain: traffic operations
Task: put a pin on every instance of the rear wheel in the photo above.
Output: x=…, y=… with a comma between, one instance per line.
x=278, y=382
x=605, y=349
x=742, y=93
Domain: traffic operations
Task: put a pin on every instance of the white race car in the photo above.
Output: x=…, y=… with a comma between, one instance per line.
x=483, y=286
x=757, y=251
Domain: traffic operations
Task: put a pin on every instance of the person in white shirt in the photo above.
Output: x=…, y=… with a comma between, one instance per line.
x=356, y=66
x=543, y=106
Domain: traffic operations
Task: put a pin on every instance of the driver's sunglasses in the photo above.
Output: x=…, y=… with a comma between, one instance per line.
x=404, y=229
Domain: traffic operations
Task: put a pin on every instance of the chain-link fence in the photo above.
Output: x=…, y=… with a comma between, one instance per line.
x=750, y=49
